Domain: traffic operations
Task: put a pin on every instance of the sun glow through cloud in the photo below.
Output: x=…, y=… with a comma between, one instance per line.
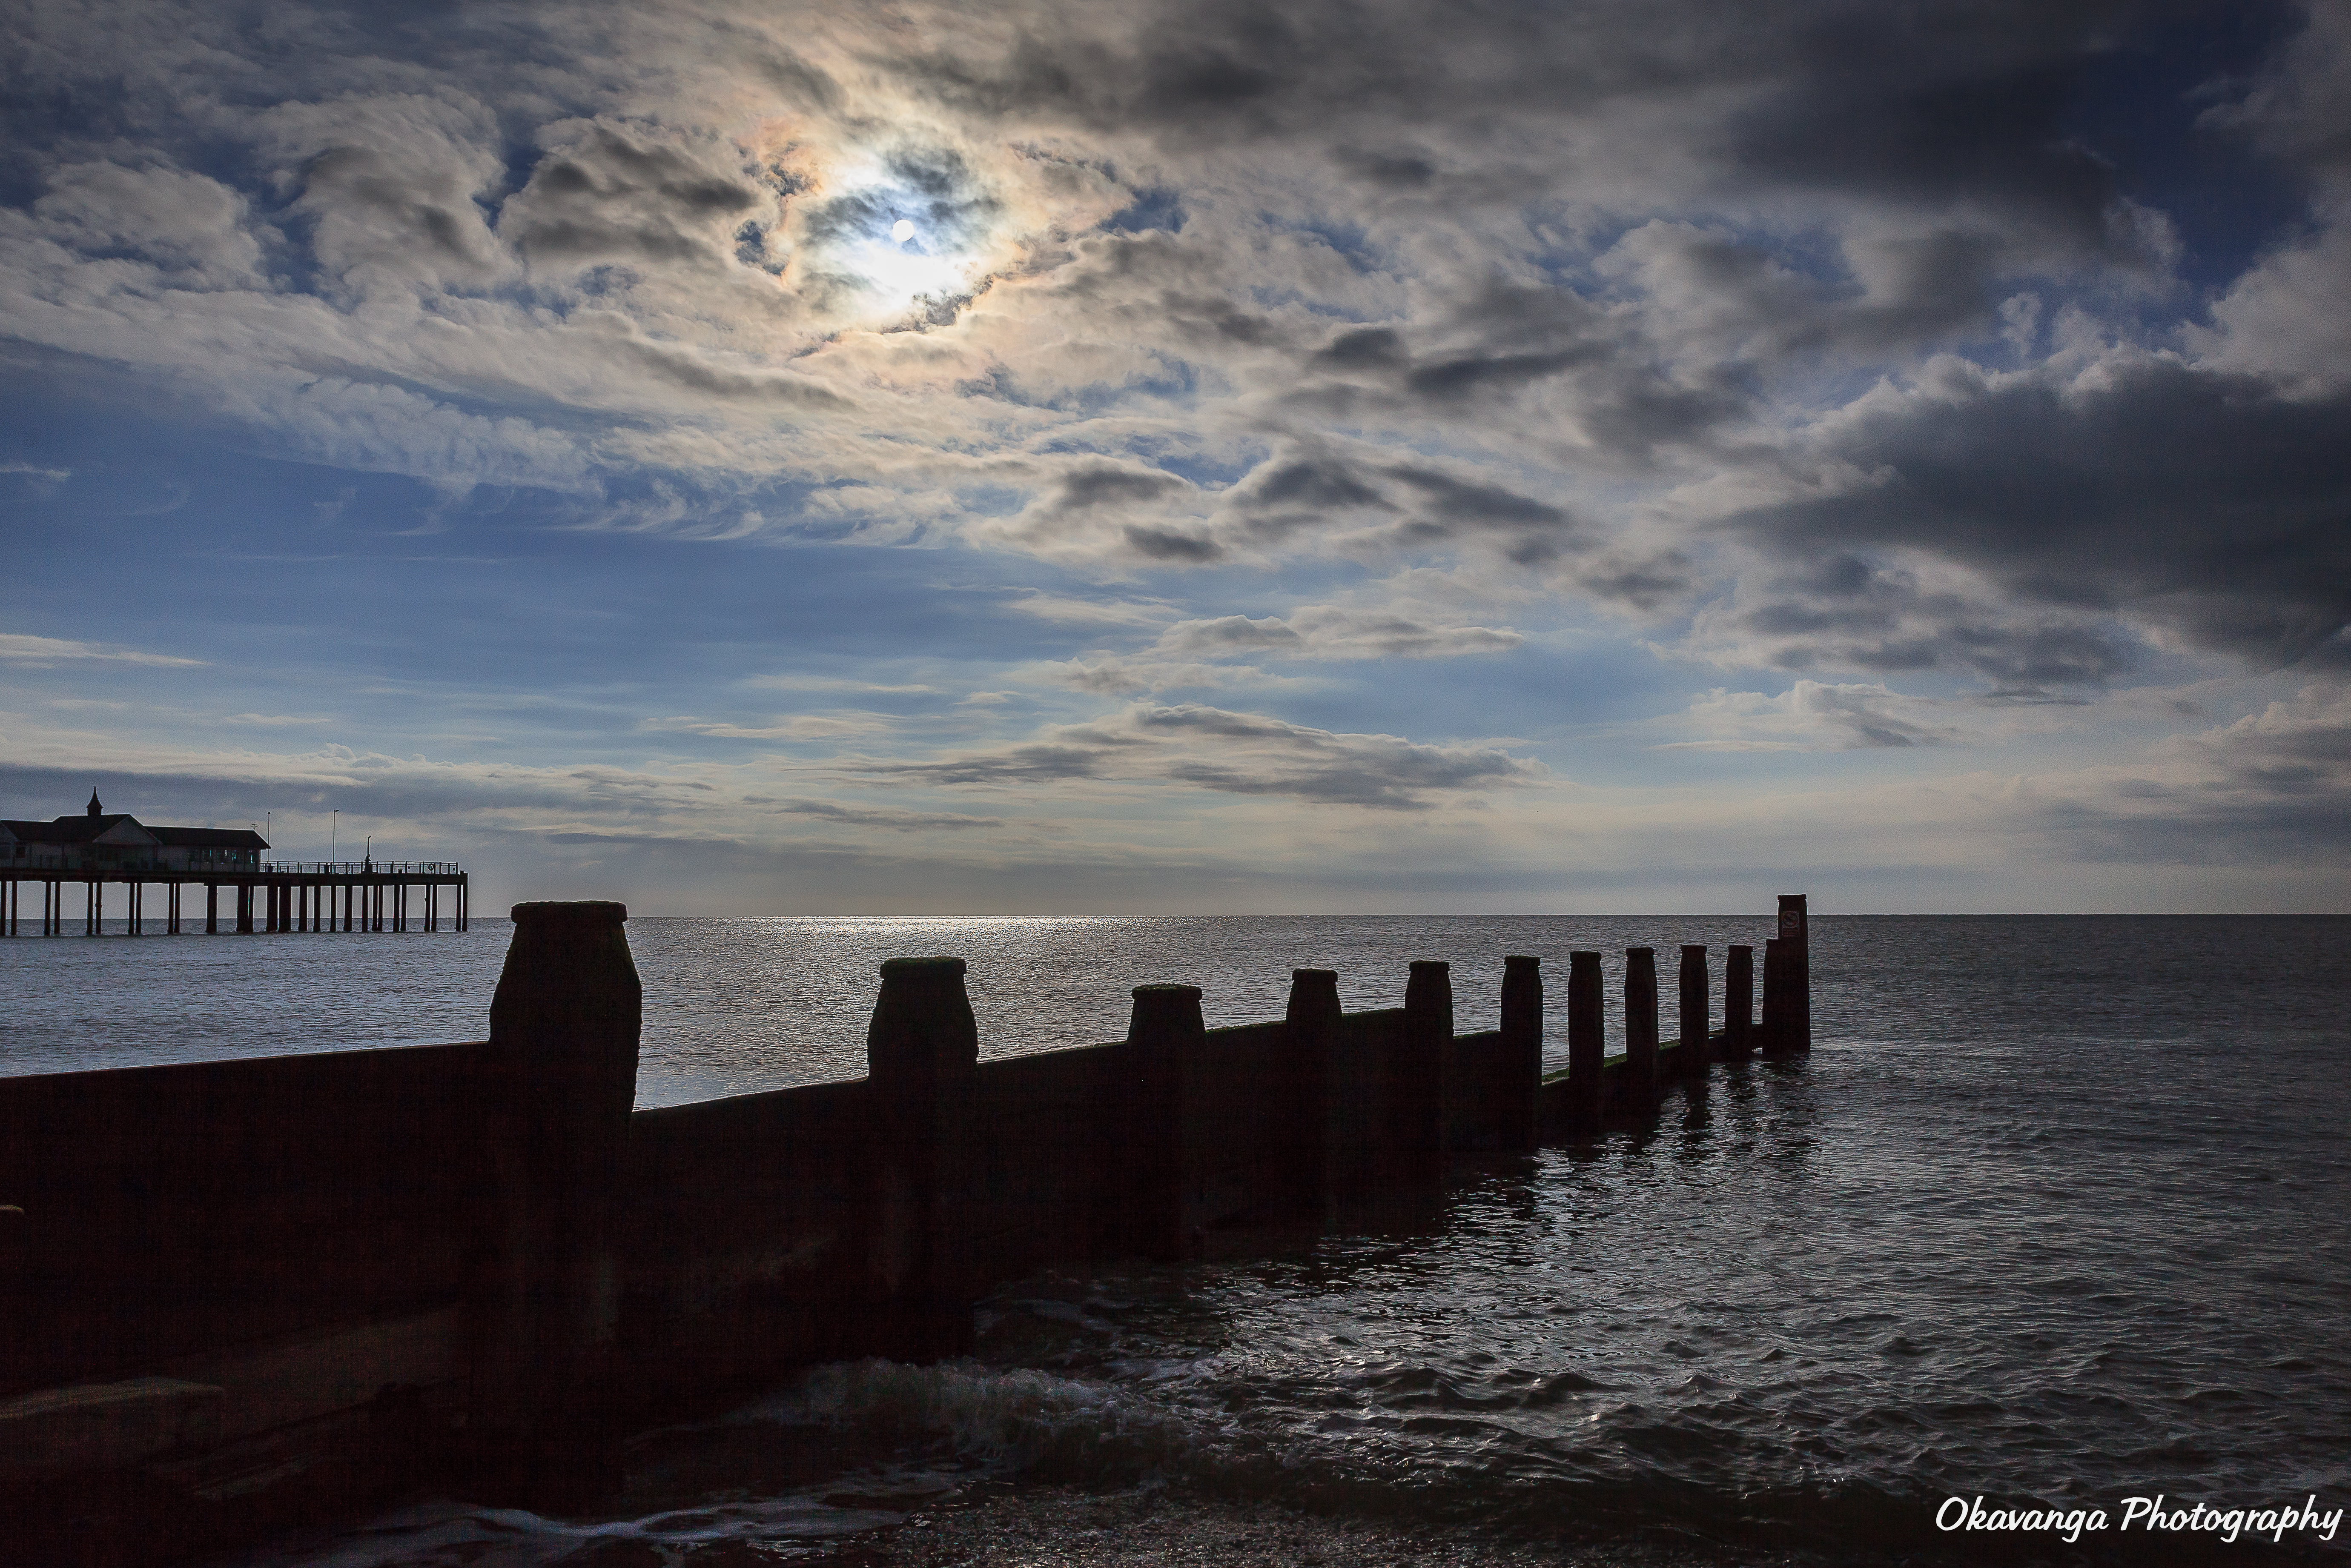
x=911, y=227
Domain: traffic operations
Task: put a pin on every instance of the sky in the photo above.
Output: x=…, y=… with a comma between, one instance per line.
x=1217, y=457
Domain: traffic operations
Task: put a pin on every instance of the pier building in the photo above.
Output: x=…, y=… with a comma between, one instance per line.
x=95, y=849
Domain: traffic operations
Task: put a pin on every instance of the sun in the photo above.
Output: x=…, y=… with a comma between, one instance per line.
x=909, y=229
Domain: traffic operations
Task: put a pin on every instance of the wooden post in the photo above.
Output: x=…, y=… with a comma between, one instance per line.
x=564, y=1025
x=1417, y=1109
x=1696, y=1051
x=921, y=1052
x=1776, y=1034
x=1738, y=1004
x=1522, y=1017
x=1796, y=945
x=1587, y=1045
x=1314, y=1043
x=1640, y=1072
x=1164, y=1039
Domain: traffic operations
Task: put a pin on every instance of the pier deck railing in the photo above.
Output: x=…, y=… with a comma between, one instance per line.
x=480, y=1256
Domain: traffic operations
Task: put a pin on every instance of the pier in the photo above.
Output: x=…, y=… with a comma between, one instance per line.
x=274, y=899
x=95, y=850
x=237, y=1292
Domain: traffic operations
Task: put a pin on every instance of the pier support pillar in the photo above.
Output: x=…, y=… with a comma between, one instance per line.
x=1415, y=1122
x=562, y=1070
x=1738, y=1004
x=1163, y=1041
x=1523, y=1023
x=1696, y=1051
x=1313, y=1044
x=921, y=1051
x=1640, y=1079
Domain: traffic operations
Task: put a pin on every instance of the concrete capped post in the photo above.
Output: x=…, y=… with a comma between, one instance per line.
x=1695, y=1050
x=1522, y=1016
x=562, y=1070
x=1640, y=1079
x=1165, y=1037
x=921, y=1051
x=1796, y=944
x=1587, y=1046
x=1416, y=1084
x=1313, y=1019
x=1738, y=1004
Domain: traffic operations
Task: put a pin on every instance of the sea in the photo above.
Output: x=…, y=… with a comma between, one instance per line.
x=2055, y=1220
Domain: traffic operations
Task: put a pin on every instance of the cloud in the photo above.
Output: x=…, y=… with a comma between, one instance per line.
x=1845, y=343
x=1812, y=717
x=35, y=480
x=556, y=255
x=18, y=648
x=1897, y=611
x=792, y=682
x=2194, y=506
x=882, y=817
x=1236, y=754
x=797, y=727
x=2272, y=787
x=1067, y=610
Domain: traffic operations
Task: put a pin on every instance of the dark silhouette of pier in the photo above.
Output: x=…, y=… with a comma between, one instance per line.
x=95, y=850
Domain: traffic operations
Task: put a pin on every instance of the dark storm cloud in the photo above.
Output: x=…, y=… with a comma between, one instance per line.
x=610, y=197
x=1084, y=489
x=2204, y=504
x=1933, y=103
x=1402, y=505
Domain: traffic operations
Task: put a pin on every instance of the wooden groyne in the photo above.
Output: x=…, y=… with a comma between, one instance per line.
x=239, y=1291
